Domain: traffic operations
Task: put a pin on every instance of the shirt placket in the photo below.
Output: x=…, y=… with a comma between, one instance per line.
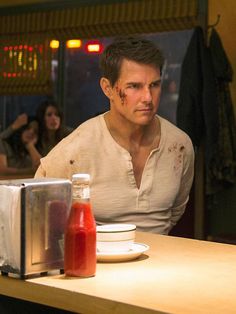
x=144, y=192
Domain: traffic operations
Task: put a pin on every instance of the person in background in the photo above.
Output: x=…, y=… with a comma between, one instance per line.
x=51, y=128
x=141, y=165
x=20, y=121
x=18, y=152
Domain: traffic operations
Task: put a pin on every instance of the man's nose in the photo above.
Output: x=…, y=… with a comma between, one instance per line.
x=147, y=95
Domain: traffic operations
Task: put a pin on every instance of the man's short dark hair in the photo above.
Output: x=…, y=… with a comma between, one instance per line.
x=135, y=49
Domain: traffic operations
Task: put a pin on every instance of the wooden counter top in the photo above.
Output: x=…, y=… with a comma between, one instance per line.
x=176, y=275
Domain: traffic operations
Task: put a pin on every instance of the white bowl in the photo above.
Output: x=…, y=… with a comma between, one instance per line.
x=115, y=237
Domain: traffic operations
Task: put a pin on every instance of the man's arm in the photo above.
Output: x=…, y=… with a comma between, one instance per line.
x=185, y=186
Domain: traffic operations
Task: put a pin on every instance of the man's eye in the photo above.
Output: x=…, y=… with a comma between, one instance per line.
x=134, y=86
x=155, y=84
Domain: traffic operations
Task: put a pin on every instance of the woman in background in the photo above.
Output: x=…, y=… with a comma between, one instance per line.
x=51, y=128
x=18, y=152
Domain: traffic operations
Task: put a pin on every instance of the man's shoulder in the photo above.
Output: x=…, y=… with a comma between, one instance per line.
x=76, y=148
x=88, y=130
x=92, y=123
x=170, y=127
x=78, y=138
x=173, y=132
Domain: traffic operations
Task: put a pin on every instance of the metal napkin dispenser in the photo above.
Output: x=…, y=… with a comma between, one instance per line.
x=33, y=213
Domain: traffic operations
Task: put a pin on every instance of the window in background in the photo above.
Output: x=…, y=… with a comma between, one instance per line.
x=13, y=105
x=83, y=97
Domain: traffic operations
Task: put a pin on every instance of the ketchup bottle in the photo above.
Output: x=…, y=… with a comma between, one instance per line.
x=80, y=232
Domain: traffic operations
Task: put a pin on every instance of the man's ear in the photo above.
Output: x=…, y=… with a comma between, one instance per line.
x=106, y=87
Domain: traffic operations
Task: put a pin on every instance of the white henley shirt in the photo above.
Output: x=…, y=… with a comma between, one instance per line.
x=165, y=185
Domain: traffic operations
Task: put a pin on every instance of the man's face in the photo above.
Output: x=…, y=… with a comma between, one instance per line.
x=136, y=94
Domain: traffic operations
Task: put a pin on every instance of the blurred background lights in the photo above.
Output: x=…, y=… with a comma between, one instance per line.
x=94, y=47
x=54, y=44
x=73, y=43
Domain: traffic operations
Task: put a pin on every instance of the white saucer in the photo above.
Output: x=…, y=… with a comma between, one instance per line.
x=136, y=250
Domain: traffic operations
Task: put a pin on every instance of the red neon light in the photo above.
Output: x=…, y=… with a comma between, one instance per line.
x=94, y=47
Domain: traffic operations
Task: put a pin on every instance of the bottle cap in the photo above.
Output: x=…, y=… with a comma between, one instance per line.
x=81, y=176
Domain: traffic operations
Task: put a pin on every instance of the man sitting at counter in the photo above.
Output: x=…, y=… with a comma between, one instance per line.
x=141, y=165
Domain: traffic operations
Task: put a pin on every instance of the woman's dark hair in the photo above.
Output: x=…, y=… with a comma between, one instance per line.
x=40, y=116
x=136, y=49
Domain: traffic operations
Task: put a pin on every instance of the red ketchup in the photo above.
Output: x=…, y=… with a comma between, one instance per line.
x=80, y=236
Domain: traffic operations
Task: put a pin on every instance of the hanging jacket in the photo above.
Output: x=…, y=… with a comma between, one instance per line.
x=222, y=172
x=197, y=112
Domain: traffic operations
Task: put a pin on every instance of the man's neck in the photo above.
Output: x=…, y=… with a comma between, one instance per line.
x=131, y=136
